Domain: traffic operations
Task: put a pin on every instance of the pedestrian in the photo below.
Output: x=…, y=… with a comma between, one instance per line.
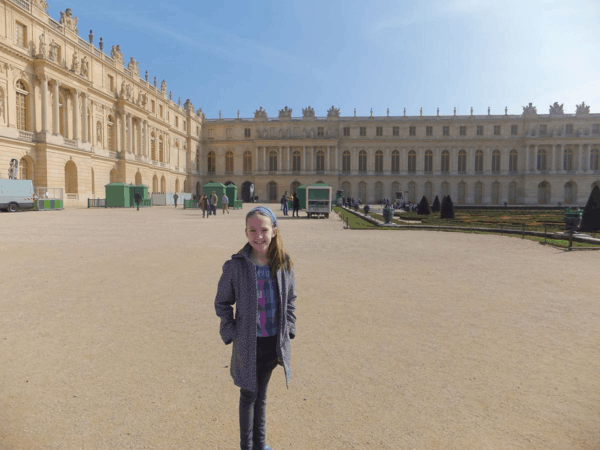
x=204, y=205
x=264, y=321
x=285, y=204
x=225, y=203
x=175, y=197
x=214, y=201
x=296, y=205
x=138, y=199
x=282, y=201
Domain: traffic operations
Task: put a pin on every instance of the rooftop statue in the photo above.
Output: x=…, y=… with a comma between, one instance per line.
x=67, y=19
x=308, y=113
x=133, y=66
x=115, y=53
x=583, y=108
x=529, y=109
x=333, y=112
x=556, y=108
x=285, y=113
x=260, y=114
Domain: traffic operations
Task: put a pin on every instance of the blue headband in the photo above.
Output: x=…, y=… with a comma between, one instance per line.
x=265, y=211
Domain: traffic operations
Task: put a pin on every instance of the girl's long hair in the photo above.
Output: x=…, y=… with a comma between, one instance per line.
x=276, y=254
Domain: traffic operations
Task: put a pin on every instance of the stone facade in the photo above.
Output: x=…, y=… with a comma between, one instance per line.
x=77, y=119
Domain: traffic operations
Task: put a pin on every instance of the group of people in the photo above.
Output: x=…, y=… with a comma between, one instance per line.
x=295, y=203
x=209, y=204
x=349, y=202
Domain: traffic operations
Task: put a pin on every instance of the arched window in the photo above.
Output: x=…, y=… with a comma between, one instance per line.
x=110, y=130
x=248, y=161
x=395, y=163
x=512, y=193
x=347, y=188
x=462, y=161
x=379, y=162
x=568, y=160
x=428, y=161
x=210, y=162
x=445, y=189
x=445, y=161
x=378, y=191
x=543, y=193
x=25, y=169
x=154, y=183
x=320, y=161
x=496, y=161
x=428, y=191
x=513, y=158
x=570, y=193
x=412, y=191
x=272, y=191
x=478, y=193
x=412, y=161
x=346, y=162
x=362, y=191
x=273, y=161
x=296, y=161
x=479, y=161
x=395, y=188
x=177, y=151
x=362, y=161
x=462, y=193
x=22, y=94
x=594, y=165
x=541, y=159
x=229, y=161
x=495, y=193
x=160, y=149
x=71, y=186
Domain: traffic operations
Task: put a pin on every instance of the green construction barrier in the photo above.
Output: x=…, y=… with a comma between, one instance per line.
x=231, y=191
x=302, y=196
x=133, y=189
x=47, y=205
x=117, y=195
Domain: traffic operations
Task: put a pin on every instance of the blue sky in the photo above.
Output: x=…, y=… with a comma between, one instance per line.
x=232, y=55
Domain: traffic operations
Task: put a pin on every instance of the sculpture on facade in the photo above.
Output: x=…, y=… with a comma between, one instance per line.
x=99, y=133
x=91, y=37
x=285, y=113
x=42, y=45
x=75, y=62
x=115, y=53
x=163, y=86
x=188, y=105
x=334, y=112
x=85, y=66
x=155, y=82
x=260, y=114
x=179, y=101
x=556, y=108
x=142, y=99
x=126, y=91
x=133, y=66
x=530, y=109
x=41, y=4
x=308, y=113
x=53, y=55
x=146, y=76
x=67, y=19
x=582, y=109
x=171, y=95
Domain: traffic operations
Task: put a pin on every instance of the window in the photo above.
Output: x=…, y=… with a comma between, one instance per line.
x=496, y=161
x=110, y=133
x=594, y=159
x=346, y=162
x=229, y=161
x=479, y=130
x=541, y=159
x=445, y=161
x=479, y=161
x=514, y=130
x=21, y=106
x=20, y=34
x=211, y=134
x=184, y=125
x=160, y=110
x=596, y=128
x=512, y=161
x=428, y=161
x=379, y=161
x=153, y=103
x=395, y=161
x=346, y=131
x=363, y=131
x=497, y=130
x=543, y=129
x=111, y=85
x=396, y=131
x=362, y=161
x=446, y=131
x=176, y=122
x=429, y=131
x=412, y=131
x=247, y=162
x=228, y=133
x=412, y=161
x=568, y=159
x=247, y=132
x=320, y=131
x=463, y=131
x=462, y=161
x=570, y=128
x=272, y=131
x=379, y=131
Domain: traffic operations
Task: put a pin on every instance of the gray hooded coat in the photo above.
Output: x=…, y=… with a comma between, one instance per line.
x=238, y=285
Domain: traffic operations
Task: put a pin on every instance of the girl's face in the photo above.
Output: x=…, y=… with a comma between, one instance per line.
x=260, y=232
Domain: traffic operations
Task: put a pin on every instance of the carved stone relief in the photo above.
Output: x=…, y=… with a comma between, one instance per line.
x=67, y=19
x=308, y=113
x=582, y=109
x=556, y=109
x=530, y=109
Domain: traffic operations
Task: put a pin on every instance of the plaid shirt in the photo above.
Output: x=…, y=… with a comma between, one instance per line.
x=268, y=299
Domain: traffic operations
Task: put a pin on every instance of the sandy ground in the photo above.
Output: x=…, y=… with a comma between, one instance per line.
x=405, y=339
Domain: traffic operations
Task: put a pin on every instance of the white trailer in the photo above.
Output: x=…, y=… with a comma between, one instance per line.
x=318, y=200
x=15, y=194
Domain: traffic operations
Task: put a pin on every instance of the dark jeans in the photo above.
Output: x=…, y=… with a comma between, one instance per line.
x=295, y=211
x=253, y=405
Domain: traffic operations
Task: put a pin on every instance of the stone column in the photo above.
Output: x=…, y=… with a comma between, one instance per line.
x=76, y=113
x=56, y=119
x=85, y=118
x=44, y=86
x=289, y=158
x=124, y=132
x=526, y=159
x=146, y=138
x=280, y=159
x=470, y=157
x=535, y=158
x=587, y=157
x=336, y=164
x=304, y=159
x=138, y=124
x=130, y=148
x=266, y=161
x=555, y=158
x=504, y=161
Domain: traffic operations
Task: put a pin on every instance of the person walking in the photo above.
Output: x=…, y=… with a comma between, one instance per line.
x=214, y=202
x=282, y=201
x=285, y=203
x=175, y=197
x=138, y=199
x=296, y=205
x=264, y=322
x=204, y=204
x=225, y=203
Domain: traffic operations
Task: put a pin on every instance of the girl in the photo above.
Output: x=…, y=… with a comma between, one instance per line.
x=204, y=204
x=260, y=280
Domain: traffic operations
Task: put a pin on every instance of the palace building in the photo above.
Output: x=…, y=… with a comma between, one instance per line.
x=76, y=118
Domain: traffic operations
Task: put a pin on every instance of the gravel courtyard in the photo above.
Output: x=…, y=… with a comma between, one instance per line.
x=405, y=339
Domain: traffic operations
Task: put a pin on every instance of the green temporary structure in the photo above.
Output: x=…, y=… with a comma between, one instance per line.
x=301, y=190
x=143, y=191
x=231, y=191
x=117, y=195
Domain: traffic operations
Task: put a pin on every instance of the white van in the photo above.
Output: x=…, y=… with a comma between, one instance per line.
x=15, y=194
